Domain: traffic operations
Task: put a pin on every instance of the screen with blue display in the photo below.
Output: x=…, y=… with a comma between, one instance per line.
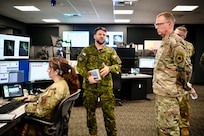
x=13, y=71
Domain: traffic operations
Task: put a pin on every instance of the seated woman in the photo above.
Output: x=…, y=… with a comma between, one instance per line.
x=65, y=83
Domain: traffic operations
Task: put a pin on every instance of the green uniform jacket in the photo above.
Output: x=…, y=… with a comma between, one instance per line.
x=90, y=59
x=48, y=100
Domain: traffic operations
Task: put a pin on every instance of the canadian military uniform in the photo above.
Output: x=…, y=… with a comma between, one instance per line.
x=89, y=59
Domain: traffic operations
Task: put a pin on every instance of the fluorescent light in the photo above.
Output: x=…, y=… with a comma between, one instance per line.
x=51, y=20
x=122, y=20
x=184, y=8
x=27, y=8
x=123, y=11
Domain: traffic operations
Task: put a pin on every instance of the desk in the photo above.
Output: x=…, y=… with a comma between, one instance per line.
x=4, y=127
x=134, y=87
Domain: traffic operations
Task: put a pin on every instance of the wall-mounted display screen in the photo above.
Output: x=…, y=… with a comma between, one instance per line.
x=14, y=47
x=113, y=39
x=38, y=70
x=152, y=44
x=77, y=38
x=146, y=62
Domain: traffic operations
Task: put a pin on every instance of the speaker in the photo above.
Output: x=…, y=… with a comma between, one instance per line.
x=60, y=70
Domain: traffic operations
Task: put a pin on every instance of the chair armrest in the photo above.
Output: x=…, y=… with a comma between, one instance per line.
x=39, y=120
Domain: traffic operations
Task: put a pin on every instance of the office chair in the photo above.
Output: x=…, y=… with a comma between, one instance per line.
x=58, y=125
x=117, y=88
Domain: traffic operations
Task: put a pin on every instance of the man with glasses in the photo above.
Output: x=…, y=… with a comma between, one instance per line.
x=170, y=76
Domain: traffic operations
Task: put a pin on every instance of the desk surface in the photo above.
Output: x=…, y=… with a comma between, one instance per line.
x=19, y=113
x=131, y=76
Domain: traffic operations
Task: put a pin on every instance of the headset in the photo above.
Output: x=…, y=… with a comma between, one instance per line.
x=60, y=70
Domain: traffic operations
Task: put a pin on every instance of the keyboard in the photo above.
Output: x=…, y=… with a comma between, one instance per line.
x=12, y=105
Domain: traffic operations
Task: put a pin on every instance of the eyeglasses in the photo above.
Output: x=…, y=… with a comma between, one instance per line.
x=180, y=35
x=159, y=24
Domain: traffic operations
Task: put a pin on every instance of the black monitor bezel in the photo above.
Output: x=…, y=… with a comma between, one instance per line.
x=11, y=97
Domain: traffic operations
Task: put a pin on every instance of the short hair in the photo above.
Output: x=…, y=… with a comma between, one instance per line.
x=100, y=28
x=183, y=28
x=169, y=16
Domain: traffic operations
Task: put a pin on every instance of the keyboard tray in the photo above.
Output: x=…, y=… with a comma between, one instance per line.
x=12, y=105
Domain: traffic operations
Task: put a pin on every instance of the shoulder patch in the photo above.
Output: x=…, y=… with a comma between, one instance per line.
x=179, y=58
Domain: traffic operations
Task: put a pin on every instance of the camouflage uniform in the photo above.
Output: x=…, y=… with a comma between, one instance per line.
x=90, y=59
x=43, y=104
x=202, y=61
x=169, y=80
x=184, y=104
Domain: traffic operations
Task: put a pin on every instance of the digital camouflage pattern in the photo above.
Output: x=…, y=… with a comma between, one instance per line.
x=202, y=61
x=184, y=104
x=90, y=59
x=170, y=83
x=170, y=71
x=47, y=101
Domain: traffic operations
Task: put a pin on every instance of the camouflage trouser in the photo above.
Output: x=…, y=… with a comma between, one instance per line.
x=168, y=116
x=90, y=98
x=184, y=111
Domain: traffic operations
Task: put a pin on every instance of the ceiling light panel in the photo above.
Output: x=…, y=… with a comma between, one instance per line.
x=51, y=20
x=27, y=8
x=122, y=20
x=184, y=8
x=123, y=11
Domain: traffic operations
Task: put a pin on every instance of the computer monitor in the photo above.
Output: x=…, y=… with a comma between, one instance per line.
x=12, y=91
x=75, y=51
x=127, y=56
x=38, y=71
x=14, y=47
x=146, y=62
x=10, y=72
x=73, y=38
x=126, y=52
x=13, y=71
x=152, y=44
x=135, y=71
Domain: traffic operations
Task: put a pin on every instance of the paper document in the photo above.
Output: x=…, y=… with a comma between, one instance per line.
x=7, y=117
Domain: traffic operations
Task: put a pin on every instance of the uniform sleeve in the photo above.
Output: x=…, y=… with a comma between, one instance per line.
x=81, y=63
x=47, y=102
x=34, y=98
x=180, y=60
x=116, y=63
